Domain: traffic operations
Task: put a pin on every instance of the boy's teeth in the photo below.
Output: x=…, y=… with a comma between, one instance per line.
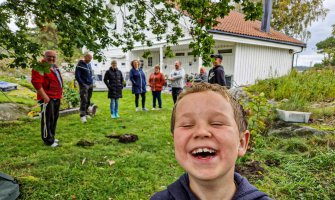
x=200, y=150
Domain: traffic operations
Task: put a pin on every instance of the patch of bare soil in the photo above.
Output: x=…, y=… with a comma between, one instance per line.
x=251, y=170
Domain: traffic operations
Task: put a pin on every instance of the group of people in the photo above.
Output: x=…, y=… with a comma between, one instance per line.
x=49, y=88
x=208, y=125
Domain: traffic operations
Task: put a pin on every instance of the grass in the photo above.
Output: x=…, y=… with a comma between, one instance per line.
x=306, y=170
x=300, y=89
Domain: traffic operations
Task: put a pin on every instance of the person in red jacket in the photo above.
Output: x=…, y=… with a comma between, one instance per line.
x=49, y=87
x=156, y=82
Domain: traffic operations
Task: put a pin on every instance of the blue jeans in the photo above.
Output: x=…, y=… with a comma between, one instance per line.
x=156, y=95
x=114, y=106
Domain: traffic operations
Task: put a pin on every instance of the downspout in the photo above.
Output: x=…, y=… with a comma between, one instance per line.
x=294, y=55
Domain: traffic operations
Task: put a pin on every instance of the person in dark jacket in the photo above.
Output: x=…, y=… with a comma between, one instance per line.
x=216, y=75
x=209, y=129
x=49, y=88
x=137, y=78
x=114, y=81
x=156, y=82
x=84, y=76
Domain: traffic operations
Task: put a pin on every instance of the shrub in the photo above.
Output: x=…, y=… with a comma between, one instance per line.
x=71, y=95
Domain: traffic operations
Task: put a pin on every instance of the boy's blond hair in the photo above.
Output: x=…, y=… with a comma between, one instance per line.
x=239, y=113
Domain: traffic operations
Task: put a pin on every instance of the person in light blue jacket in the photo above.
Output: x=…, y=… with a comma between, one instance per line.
x=138, y=80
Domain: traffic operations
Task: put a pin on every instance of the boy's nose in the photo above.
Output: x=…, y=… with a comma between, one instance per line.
x=202, y=132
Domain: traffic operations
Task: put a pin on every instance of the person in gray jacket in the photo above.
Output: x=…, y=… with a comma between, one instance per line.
x=177, y=77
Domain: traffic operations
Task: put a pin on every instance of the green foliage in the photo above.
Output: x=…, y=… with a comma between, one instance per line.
x=327, y=47
x=71, y=25
x=70, y=95
x=294, y=17
x=308, y=86
x=260, y=115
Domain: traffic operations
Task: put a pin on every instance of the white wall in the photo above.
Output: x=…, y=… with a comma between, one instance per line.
x=254, y=62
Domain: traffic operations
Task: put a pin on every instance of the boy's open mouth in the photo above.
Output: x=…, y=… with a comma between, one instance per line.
x=203, y=153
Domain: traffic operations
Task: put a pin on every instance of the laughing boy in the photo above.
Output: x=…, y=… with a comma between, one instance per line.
x=210, y=132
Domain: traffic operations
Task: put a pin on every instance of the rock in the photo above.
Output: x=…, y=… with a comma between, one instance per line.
x=238, y=93
x=284, y=129
x=12, y=111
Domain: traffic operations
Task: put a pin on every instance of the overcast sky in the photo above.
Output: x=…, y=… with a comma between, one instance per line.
x=320, y=30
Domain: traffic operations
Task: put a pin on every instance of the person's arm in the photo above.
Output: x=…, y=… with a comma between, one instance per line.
x=162, y=79
x=78, y=75
x=220, y=77
x=37, y=80
x=122, y=80
x=180, y=75
x=131, y=77
x=106, y=80
x=150, y=80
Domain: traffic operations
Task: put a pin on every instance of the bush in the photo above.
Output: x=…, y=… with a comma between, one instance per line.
x=312, y=85
x=71, y=95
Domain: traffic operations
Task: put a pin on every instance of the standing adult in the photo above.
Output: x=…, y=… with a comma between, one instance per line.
x=177, y=77
x=84, y=77
x=156, y=82
x=49, y=92
x=216, y=75
x=114, y=81
x=137, y=77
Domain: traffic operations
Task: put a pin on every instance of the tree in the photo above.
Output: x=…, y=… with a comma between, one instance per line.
x=327, y=47
x=86, y=23
x=294, y=17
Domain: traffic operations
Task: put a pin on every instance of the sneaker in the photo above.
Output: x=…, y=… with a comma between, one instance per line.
x=54, y=145
x=153, y=108
x=137, y=109
x=113, y=116
x=83, y=119
x=144, y=109
x=117, y=115
x=56, y=140
x=88, y=117
x=159, y=108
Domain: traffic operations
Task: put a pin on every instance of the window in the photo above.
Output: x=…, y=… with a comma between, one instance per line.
x=123, y=64
x=180, y=54
x=190, y=54
x=225, y=51
x=149, y=61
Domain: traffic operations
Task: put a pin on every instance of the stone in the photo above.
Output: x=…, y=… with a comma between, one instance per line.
x=12, y=111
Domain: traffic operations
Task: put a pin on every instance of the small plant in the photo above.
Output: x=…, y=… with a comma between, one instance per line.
x=71, y=96
x=260, y=115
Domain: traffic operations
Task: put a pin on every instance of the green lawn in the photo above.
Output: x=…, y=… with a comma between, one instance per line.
x=306, y=169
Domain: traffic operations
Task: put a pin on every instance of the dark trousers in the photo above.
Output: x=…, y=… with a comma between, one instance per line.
x=85, y=98
x=137, y=96
x=156, y=95
x=49, y=121
x=175, y=93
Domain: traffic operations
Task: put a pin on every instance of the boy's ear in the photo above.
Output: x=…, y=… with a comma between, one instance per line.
x=244, y=140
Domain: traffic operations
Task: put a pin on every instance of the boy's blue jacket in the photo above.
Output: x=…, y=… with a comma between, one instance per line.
x=84, y=73
x=180, y=190
x=137, y=78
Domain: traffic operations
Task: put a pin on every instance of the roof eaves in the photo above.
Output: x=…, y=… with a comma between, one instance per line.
x=303, y=45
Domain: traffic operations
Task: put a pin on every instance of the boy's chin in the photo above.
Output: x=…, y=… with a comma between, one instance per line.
x=210, y=174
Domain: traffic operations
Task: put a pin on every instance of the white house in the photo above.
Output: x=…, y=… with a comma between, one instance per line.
x=248, y=53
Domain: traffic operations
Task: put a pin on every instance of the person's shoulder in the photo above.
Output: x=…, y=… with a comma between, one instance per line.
x=246, y=190
x=162, y=195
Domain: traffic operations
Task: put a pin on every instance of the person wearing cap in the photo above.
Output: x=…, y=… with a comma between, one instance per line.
x=216, y=75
